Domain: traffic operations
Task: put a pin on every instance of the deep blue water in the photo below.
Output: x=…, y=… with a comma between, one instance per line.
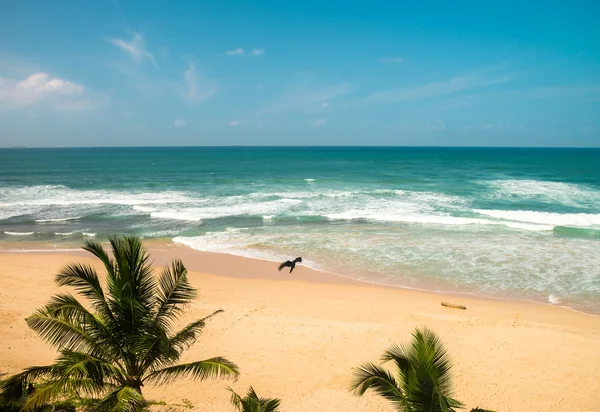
x=520, y=223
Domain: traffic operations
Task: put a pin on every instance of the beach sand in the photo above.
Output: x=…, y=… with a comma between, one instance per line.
x=298, y=336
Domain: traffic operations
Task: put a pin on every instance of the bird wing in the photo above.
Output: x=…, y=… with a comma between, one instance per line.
x=284, y=264
x=298, y=259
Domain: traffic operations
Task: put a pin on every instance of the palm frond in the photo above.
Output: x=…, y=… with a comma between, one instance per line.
x=401, y=356
x=85, y=281
x=235, y=399
x=253, y=403
x=67, y=308
x=209, y=368
x=370, y=376
x=12, y=388
x=58, y=332
x=96, y=249
x=186, y=337
x=78, y=365
x=174, y=292
x=135, y=272
x=430, y=386
x=124, y=399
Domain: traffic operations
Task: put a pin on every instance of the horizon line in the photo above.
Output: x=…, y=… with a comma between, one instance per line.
x=296, y=146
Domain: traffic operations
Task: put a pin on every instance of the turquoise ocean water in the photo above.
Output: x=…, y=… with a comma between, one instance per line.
x=515, y=223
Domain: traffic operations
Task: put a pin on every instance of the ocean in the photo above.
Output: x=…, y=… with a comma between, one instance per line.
x=500, y=222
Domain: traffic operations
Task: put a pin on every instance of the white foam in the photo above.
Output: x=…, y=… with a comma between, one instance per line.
x=57, y=220
x=546, y=218
x=569, y=194
x=197, y=214
x=63, y=233
x=310, y=180
x=18, y=233
x=432, y=219
x=62, y=196
x=176, y=215
x=88, y=234
x=143, y=209
x=553, y=300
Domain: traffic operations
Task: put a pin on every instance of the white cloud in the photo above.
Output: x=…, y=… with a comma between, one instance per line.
x=473, y=80
x=42, y=83
x=234, y=52
x=239, y=51
x=53, y=92
x=325, y=104
x=198, y=88
x=320, y=122
x=487, y=126
x=135, y=48
x=233, y=123
x=392, y=60
x=179, y=123
x=302, y=96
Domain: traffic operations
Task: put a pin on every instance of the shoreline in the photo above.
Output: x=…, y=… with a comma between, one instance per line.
x=315, y=275
x=297, y=336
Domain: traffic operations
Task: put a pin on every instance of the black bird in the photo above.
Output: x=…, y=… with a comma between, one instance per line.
x=290, y=263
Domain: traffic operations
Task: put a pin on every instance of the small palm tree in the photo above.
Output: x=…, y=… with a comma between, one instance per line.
x=421, y=380
x=252, y=403
x=124, y=339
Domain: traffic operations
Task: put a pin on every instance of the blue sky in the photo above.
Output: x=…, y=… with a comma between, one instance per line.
x=106, y=73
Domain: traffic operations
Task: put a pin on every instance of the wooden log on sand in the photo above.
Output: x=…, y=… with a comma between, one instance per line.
x=452, y=305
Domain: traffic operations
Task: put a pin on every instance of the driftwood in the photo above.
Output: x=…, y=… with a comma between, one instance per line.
x=452, y=305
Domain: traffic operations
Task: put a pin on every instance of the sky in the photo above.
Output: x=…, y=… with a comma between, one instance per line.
x=286, y=72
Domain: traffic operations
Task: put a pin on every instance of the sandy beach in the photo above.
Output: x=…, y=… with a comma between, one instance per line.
x=298, y=336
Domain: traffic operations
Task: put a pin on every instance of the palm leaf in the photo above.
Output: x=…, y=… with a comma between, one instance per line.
x=210, y=368
x=125, y=399
x=370, y=376
x=253, y=403
x=174, y=292
x=183, y=339
x=85, y=281
x=12, y=388
x=97, y=250
x=59, y=332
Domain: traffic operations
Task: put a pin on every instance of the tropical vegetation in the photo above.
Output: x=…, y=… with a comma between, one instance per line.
x=120, y=336
x=420, y=380
x=253, y=403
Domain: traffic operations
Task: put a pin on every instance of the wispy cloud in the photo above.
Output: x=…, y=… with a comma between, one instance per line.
x=325, y=104
x=481, y=78
x=52, y=92
x=234, y=52
x=234, y=123
x=240, y=51
x=179, y=123
x=198, y=87
x=318, y=123
x=135, y=48
x=304, y=96
x=391, y=60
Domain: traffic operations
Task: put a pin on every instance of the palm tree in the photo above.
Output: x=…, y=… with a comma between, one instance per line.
x=421, y=380
x=124, y=339
x=252, y=403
